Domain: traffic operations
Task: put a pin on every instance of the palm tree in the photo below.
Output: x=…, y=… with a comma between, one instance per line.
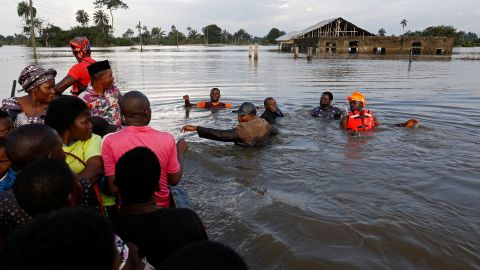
x=100, y=18
x=82, y=17
x=193, y=34
x=23, y=10
x=157, y=34
x=403, y=23
x=111, y=5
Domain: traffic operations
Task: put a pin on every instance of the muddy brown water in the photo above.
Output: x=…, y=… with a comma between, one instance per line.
x=319, y=198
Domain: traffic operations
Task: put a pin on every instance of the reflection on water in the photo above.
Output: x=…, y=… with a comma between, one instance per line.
x=319, y=197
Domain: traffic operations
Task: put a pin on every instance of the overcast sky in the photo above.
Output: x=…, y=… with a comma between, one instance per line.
x=258, y=16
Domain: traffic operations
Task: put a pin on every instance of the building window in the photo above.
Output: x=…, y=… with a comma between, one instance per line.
x=416, y=44
x=330, y=44
x=379, y=51
x=353, y=44
x=331, y=50
x=440, y=52
x=352, y=50
x=416, y=51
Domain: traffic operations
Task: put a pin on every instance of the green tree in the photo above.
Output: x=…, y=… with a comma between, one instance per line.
x=101, y=20
x=23, y=10
x=273, y=34
x=129, y=33
x=111, y=5
x=82, y=17
x=403, y=22
x=242, y=37
x=193, y=35
x=53, y=36
x=212, y=33
x=382, y=32
x=157, y=35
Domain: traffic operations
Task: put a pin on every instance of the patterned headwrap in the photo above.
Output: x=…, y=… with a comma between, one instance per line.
x=80, y=44
x=32, y=76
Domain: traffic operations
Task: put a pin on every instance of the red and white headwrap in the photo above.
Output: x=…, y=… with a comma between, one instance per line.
x=80, y=44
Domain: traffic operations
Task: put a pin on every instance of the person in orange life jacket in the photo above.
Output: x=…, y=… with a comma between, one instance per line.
x=214, y=102
x=77, y=76
x=358, y=119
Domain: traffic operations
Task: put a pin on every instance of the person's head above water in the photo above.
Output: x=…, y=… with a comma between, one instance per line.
x=32, y=142
x=246, y=112
x=135, y=108
x=326, y=99
x=357, y=101
x=270, y=104
x=215, y=94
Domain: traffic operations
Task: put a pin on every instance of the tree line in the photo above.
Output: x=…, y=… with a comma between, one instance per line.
x=99, y=29
x=461, y=38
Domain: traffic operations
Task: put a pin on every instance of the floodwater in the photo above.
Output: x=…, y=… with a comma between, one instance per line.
x=318, y=197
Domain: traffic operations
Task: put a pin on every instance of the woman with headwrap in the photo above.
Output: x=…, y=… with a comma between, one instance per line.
x=39, y=84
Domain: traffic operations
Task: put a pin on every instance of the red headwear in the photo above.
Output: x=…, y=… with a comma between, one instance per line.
x=80, y=44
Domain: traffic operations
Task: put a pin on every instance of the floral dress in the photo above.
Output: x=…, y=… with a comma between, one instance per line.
x=19, y=118
x=105, y=106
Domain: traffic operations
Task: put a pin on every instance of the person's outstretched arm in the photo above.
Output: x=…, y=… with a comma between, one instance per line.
x=187, y=102
x=64, y=84
x=229, y=135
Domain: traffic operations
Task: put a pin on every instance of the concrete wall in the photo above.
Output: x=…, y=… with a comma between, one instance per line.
x=383, y=45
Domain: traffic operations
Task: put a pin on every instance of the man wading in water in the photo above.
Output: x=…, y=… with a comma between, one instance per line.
x=326, y=109
x=251, y=129
x=214, y=102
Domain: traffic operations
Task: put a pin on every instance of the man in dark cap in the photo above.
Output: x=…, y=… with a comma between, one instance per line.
x=251, y=129
x=77, y=76
x=102, y=95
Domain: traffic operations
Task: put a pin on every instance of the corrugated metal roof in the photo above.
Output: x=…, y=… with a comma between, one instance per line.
x=316, y=26
x=288, y=36
x=295, y=34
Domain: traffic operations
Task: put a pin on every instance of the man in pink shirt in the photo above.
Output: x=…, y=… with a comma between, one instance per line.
x=135, y=108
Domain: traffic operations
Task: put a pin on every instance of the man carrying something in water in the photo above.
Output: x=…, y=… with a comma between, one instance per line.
x=251, y=129
x=214, y=102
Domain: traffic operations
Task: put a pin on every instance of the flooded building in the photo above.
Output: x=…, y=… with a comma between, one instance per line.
x=340, y=37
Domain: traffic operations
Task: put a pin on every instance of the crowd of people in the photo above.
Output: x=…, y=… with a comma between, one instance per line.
x=85, y=181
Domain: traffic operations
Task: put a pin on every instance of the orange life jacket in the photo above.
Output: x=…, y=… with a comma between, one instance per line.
x=360, y=121
x=213, y=105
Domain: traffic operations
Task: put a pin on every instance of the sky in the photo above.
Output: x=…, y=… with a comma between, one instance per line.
x=257, y=17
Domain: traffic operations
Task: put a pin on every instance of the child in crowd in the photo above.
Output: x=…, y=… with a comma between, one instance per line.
x=7, y=174
x=6, y=124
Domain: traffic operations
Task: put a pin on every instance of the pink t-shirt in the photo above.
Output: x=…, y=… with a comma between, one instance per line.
x=161, y=143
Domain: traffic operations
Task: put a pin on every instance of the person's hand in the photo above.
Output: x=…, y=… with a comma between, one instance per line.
x=182, y=146
x=188, y=128
x=186, y=97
